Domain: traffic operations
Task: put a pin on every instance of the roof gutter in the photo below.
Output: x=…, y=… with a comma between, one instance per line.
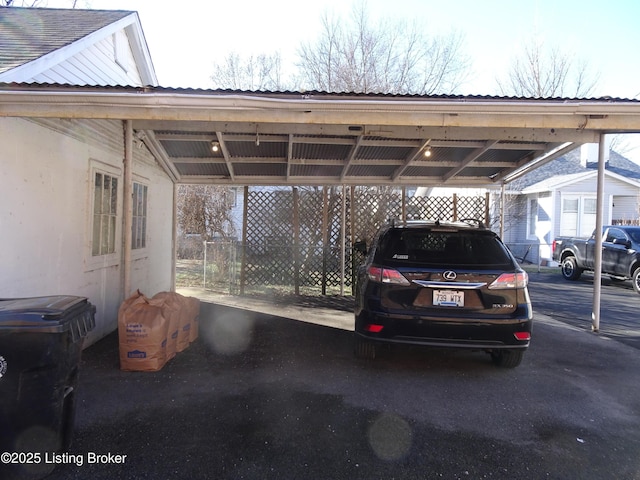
x=618, y=116
x=541, y=160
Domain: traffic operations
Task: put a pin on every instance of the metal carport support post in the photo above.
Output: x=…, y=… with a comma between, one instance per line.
x=597, y=276
x=127, y=206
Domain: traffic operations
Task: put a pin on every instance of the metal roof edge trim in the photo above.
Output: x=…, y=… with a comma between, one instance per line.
x=315, y=94
x=149, y=96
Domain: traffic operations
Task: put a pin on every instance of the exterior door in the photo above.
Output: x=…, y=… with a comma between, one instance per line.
x=614, y=252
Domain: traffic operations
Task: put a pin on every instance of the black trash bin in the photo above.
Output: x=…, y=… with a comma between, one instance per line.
x=41, y=342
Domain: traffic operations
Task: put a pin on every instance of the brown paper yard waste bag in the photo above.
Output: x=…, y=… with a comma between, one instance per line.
x=142, y=334
x=171, y=306
x=177, y=311
x=193, y=307
x=130, y=301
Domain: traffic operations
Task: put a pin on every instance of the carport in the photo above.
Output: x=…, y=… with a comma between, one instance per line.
x=317, y=138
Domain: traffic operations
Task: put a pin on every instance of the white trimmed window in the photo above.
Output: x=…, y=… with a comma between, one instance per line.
x=105, y=214
x=139, y=223
x=578, y=216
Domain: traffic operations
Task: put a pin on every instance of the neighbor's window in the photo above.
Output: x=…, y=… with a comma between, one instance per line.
x=588, y=219
x=139, y=225
x=105, y=203
x=569, y=218
x=578, y=217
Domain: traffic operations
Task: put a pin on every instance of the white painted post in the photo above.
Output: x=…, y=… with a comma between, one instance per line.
x=127, y=206
x=502, y=206
x=204, y=264
x=597, y=277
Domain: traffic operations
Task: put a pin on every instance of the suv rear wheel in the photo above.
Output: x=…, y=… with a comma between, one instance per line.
x=507, y=358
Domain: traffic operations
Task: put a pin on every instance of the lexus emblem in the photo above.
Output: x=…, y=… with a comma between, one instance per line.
x=449, y=275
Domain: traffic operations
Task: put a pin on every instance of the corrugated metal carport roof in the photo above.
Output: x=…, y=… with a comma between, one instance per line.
x=318, y=138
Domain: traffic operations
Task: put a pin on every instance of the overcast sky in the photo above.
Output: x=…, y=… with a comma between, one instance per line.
x=185, y=38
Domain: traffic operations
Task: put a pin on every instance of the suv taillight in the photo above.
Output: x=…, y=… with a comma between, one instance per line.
x=386, y=275
x=511, y=280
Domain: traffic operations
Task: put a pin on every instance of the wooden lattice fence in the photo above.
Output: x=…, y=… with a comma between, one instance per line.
x=299, y=239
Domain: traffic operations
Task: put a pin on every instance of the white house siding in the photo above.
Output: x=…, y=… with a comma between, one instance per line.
x=46, y=219
x=620, y=199
x=237, y=212
x=544, y=227
x=515, y=225
x=96, y=65
x=151, y=270
x=626, y=207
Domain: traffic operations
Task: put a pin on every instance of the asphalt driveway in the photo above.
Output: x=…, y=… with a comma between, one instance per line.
x=265, y=397
x=572, y=303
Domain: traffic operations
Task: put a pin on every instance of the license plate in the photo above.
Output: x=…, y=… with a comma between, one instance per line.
x=448, y=298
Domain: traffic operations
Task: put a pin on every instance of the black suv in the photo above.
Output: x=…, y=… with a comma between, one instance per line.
x=452, y=284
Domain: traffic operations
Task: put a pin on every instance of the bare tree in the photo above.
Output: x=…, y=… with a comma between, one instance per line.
x=358, y=56
x=32, y=3
x=261, y=72
x=624, y=144
x=21, y=3
x=205, y=210
x=541, y=72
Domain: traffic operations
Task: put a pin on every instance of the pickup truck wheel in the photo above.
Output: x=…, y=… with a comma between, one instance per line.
x=570, y=269
x=635, y=280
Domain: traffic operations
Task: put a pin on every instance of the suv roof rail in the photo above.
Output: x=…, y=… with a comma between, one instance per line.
x=395, y=222
x=473, y=222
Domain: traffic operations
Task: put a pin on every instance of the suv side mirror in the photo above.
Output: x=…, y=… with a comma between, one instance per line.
x=360, y=246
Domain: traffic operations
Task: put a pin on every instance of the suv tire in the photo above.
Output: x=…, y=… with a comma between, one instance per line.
x=507, y=358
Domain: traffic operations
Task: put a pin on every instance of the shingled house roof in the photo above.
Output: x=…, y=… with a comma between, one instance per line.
x=569, y=164
x=27, y=34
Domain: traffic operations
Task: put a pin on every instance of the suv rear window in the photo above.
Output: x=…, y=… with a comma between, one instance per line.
x=443, y=247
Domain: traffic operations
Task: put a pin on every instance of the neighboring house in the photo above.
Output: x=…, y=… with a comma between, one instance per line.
x=63, y=180
x=559, y=199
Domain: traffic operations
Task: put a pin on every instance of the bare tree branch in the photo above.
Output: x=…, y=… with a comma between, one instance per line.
x=261, y=72
x=357, y=56
x=205, y=210
x=33, y=3
x=21, y=3
x=624, y=144
x=541, y=72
